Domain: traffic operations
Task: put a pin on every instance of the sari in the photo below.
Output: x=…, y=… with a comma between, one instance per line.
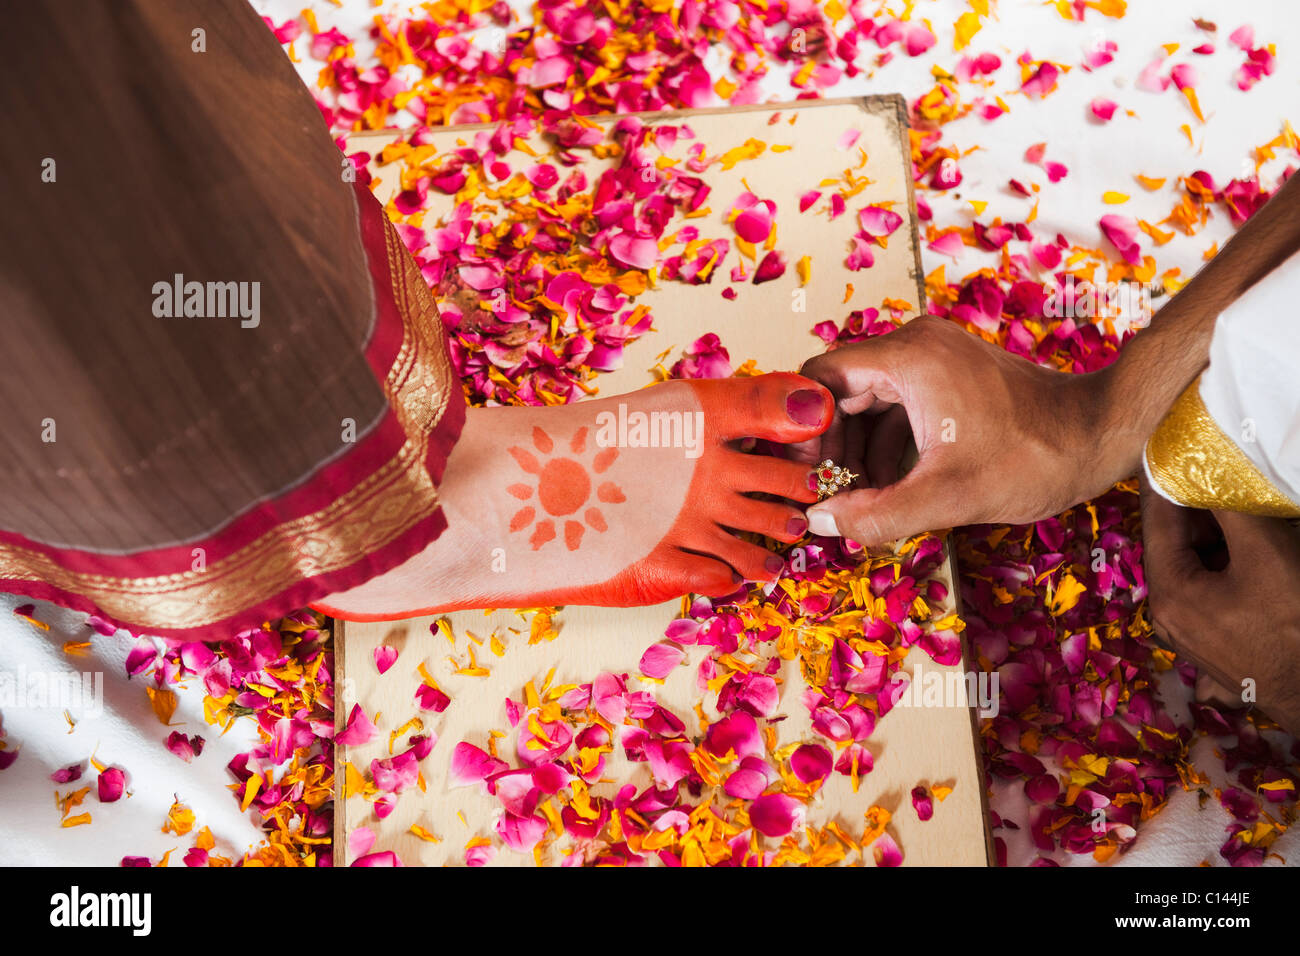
x=227, y=391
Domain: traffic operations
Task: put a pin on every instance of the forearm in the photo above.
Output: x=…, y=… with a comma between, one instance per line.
x=1131, y=397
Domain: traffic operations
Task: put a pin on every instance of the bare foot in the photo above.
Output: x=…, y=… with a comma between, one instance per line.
x=624, y=501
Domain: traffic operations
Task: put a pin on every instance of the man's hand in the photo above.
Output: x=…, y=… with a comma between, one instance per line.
x=1239, y=620
x=999, y=438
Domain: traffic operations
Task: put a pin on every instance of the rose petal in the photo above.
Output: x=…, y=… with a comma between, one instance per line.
x=776, y=814
x=659, y=660
x=359, y=729
x=112, y=782
x=811, y=763
x=471, y=765
x=385, y=657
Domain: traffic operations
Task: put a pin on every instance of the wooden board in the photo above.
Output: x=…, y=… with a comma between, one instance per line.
x=930, y=745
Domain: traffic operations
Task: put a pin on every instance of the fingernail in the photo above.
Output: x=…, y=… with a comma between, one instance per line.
x=774, y=564
x=805, y=406
x=823, y=523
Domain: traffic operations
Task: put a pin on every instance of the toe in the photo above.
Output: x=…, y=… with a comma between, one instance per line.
x=751, y=562
x=773, y=519
x=772, y=476
x=704, y=575
x=782, y=407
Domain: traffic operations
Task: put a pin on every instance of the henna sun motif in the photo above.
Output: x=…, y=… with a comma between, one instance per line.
x=563, y=488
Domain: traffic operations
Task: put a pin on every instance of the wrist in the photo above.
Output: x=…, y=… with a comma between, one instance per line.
x=1116, y=426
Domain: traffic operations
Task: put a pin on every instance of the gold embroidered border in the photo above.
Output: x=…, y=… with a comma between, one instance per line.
x=367, y=518
x=1196, y=464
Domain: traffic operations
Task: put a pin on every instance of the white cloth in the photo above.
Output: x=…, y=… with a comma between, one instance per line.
x=121, y=730
x=1252, y=387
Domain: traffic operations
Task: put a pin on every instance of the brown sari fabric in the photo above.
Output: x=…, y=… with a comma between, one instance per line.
x=190, y=474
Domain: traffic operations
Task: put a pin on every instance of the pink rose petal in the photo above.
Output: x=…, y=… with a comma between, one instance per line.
x=1103, y=108
x=922, y=803
x=112, y=782
x=385, y=657
x=470, y=765
x=736, y=733
x=776, y=814
x=811, y=763
x=771, y=267
x=1122, y=232
x=886, y=852
x=359, y=729
x=637, y=252
x=659, y=660
x=879, y=221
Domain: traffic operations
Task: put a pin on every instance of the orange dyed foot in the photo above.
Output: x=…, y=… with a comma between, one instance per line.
x=624, y=501
x=562, y=486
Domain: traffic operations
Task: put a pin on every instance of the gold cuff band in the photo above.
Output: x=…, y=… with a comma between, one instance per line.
x=1192, y=461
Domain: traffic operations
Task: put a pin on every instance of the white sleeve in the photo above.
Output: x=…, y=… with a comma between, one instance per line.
x=1252, y=386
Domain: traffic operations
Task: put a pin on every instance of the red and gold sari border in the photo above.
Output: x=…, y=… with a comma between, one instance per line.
x=360, y=515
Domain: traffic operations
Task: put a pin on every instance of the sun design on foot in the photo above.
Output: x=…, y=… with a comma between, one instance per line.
x=564, y=486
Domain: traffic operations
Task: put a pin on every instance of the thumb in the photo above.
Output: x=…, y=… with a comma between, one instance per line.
x=1167, y=539
x=873, y=516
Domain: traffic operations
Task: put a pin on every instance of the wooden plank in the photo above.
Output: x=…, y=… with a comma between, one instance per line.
x=912, y=745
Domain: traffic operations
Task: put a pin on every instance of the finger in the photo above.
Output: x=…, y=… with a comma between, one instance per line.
x=890, y=435
x=857, y=376
x=1247, y=534
x=1210, y=690
x=773, y=476
x=751, y=562
x=705, y=575
x=770, y=518
x=856, y=429
x=921, y=501
x=829, y=444
x=782, y=407
x=1169, y=555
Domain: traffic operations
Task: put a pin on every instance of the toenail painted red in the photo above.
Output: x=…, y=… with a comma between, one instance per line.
x=796, y=526
x=805, y=406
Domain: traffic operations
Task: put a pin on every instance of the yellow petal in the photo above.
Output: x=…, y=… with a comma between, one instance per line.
x=180, y=818
x=164, y=703
x=804, y=268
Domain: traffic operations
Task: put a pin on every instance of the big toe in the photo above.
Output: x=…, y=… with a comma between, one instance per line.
x=781, y=406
